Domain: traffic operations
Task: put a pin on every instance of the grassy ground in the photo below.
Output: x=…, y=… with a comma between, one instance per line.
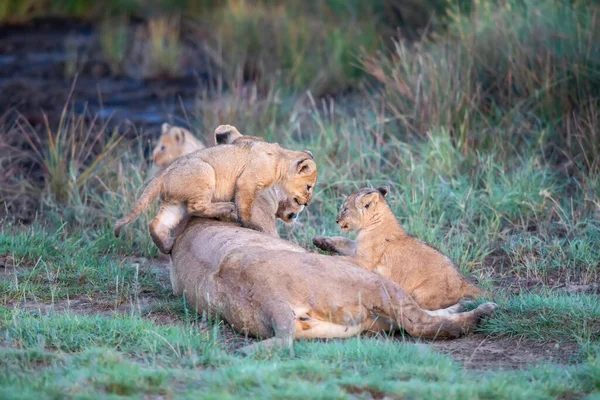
x=492, y=157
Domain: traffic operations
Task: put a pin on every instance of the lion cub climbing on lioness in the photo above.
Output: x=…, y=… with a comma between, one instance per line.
x=384, y=247
x=205, y=182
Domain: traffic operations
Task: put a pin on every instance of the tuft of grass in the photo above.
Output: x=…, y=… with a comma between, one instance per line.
x=502, y=76
x=114, y=40
x=88, y=180
x=135, y=337
x=547, y=316
x=162, y=50
x=276, y=43
x=55, y=263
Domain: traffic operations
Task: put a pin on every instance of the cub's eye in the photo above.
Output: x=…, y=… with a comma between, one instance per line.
x=308, y=187
x=162, y=148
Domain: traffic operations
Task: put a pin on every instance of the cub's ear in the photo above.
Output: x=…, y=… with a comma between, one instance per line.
x=226, y=134
x=367, y=200
x=383, y=190
x=309, y=153
x=165, y=128
x=305, y=167
x=178, y=135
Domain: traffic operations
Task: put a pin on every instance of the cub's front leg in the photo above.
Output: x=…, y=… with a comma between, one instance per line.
x=245, y=196
x=336, y=244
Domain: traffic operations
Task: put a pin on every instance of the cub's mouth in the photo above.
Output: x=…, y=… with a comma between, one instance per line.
x=299, y=202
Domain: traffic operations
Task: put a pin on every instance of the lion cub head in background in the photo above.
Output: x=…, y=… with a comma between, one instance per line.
x=174, y=142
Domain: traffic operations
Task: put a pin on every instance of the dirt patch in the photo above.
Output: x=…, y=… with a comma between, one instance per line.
x=363, y=391
x=86, y=305
x=481, y=352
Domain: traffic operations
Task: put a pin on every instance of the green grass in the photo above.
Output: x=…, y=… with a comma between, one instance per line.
x=81, y=356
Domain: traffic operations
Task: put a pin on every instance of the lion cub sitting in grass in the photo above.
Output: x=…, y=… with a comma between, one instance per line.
x=205, y=182
x=174, y=142
x=384, y=247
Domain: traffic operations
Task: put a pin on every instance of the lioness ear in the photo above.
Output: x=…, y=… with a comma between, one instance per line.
x=309, y=153
x=368, y=199
x=165, y=128
x=305, y=167
x=383, y=190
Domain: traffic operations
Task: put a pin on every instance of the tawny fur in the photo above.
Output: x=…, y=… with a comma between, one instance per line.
x=174, y=142
x=275, y=290
x=271, y=202
x=228, y=134
x=204, y=183
x=384, y=247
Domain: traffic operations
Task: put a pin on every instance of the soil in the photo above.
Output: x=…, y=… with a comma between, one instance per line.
x=482, y=352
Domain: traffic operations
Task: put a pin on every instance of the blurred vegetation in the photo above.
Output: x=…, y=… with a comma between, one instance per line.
x=503, y=77
x=296, y=44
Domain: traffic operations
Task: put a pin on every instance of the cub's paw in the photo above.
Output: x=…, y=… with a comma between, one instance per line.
x=232, y=216
x=250, y=225
x=324, y=244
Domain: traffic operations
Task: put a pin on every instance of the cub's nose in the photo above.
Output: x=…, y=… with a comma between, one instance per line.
x=337, y=220
x=292, y=216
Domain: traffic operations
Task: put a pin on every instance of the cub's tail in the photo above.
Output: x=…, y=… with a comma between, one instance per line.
x=151, y=191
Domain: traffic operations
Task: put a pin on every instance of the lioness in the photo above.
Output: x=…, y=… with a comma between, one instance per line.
x=204, y=182
x=384, y=247
x=275, y=290
x=174, y=142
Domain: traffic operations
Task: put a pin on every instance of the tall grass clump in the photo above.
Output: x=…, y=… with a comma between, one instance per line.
x=507, y=74
x=89, y=175
x=284, y=43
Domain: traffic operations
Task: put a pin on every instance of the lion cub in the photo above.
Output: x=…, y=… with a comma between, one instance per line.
x=384, y=247
x=204, y=183
x=174, y=142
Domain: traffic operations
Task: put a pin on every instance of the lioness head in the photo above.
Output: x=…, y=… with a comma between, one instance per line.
x=174, y=142
x=303, y=177
x=361, y=208
x=288, y=210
